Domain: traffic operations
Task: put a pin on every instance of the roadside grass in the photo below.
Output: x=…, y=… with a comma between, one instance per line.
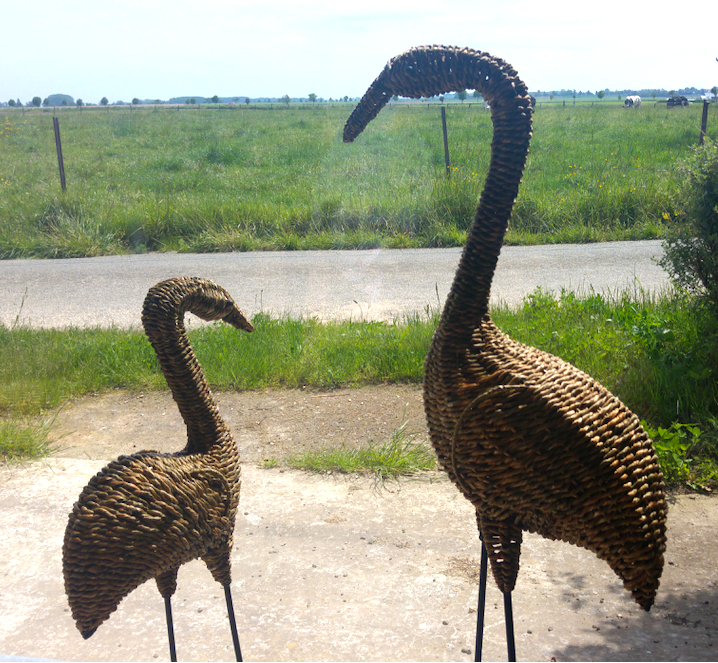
x=268, y=178
x=654, y=351
x=25, y=440
x=400, y=455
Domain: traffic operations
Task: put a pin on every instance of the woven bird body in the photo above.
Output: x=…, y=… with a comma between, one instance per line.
x=144, y=515
x=535, y=444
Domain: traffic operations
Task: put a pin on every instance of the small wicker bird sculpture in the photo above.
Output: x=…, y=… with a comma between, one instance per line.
x=145, y=515
x=535, y=444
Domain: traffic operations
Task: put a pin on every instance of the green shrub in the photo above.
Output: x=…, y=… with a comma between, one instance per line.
x=691, y=245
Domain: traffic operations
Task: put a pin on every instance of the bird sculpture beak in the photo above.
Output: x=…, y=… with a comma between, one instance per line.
x=236, y=318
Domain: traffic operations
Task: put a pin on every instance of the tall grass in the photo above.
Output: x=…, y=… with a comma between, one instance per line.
x=25, y=441
x=653, y=351
x=247, y=179
x=40, y=369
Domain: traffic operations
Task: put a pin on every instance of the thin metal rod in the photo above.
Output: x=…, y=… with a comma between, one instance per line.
x=509, y=617
x=481, y=608
x=232, y=623
x=170, y=629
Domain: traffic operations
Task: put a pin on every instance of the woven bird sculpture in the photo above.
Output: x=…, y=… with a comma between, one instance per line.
x=145, y=515
x=535, y=444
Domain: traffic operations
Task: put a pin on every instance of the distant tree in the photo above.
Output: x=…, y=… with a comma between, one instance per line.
x=79, y=103
x=157, y=102
x=346, y=97
x=601, y=94
x=64, y=102
x=462, y=95
x=11, y=103
x=312, y=97
x=476, y=94
x=192, y=100
x=550, y=96
x=135, y=101
x=45, y=102
x=286, y=99
x=714, y=91
x=215, y=99
x=246, y=101
x=654, y=94
x=36, y=101
x=104, y=101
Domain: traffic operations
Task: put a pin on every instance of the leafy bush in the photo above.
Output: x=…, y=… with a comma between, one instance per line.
x=691, y=246
x=673, y=447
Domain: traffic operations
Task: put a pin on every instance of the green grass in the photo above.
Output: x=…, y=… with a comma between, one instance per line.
x=281, y=178
x=40, y=369
x=399, y=455
x=655, y=352
x=24, y=441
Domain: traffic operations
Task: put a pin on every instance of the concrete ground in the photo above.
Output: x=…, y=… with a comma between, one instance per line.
x=330, y=568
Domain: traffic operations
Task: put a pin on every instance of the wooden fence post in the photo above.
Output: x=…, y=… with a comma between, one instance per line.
x=446, y=142
x=58, y=145
x=704, y=122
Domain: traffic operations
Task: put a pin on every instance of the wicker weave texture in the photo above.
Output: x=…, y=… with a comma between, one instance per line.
x=144, y=515
x=535, y=444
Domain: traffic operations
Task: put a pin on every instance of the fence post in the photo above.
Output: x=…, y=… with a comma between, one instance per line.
x=58, y=145
x=446, y=142
x=704, y=122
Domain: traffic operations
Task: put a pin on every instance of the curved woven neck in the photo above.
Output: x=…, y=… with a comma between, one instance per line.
x=433, y=70
x=163, y=320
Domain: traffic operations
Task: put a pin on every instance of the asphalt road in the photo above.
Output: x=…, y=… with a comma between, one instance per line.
x=372, y=285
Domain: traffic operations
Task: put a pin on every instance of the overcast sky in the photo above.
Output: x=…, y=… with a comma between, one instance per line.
x=166, y=48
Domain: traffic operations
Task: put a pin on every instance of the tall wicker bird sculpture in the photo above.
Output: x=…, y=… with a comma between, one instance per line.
x=535, y=444
x=145, y=515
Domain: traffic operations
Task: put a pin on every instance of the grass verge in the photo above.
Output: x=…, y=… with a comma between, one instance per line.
x=655, y=352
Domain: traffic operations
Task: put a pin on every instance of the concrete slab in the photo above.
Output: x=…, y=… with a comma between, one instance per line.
x=340, y=569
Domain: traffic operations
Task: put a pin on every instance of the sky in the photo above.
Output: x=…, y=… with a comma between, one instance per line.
x=158, y=49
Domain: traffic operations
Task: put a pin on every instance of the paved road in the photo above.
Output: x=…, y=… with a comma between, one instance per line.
x=373, y=285
x=336, y=569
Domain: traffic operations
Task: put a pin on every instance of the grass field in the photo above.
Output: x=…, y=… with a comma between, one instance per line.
x=280, y=177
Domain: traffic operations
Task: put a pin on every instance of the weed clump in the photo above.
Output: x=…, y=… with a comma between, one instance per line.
x=400, y=455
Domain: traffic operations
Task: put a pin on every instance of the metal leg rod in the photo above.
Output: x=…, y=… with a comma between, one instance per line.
x=509, y=617
x=481, y=608
x=232, y=623
x=170, y=629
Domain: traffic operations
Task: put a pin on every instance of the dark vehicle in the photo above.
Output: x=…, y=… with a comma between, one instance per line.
x=676, y=101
